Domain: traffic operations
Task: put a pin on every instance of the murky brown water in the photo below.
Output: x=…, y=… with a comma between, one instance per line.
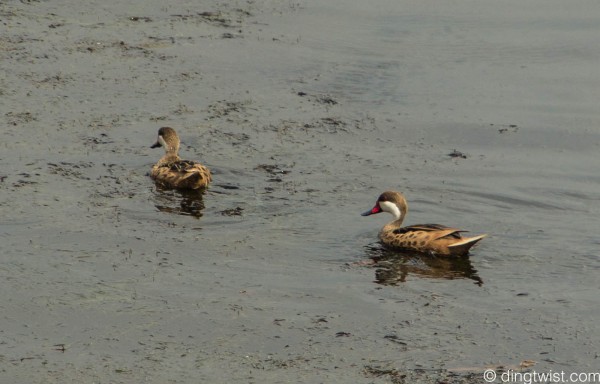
x=304, y=112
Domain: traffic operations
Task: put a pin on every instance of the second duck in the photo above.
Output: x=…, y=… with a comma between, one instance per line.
x=173, y=172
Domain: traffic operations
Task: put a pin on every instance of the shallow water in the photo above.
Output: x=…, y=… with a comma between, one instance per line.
x=305, y=112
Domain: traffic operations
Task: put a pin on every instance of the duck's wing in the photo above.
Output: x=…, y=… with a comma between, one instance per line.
x=195, y=174
x=437, y=230
x=182, y=165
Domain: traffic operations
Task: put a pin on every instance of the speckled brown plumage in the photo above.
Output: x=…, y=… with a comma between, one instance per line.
x=428, y=238
x=173, y=172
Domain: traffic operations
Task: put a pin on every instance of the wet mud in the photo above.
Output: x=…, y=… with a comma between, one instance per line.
x=485, y=118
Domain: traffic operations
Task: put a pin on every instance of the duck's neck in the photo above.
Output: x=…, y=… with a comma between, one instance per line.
x=168, y=158
x=394, y=224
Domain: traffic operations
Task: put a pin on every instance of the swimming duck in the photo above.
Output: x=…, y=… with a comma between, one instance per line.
x=173, y=172
x=428, y=238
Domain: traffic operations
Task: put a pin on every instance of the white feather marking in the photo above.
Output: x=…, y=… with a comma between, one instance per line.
x=162, y=141
x=392, y=208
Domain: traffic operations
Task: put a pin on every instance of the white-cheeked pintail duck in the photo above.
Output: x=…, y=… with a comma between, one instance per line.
x=427, y=238
x=173, y=172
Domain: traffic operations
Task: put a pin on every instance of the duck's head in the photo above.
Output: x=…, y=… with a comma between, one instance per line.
x=167, y=138
x=391, y=202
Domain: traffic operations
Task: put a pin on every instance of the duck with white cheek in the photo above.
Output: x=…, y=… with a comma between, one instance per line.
x=427, y=238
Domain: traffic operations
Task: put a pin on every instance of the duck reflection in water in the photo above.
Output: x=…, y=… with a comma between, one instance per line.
x=181, y=202
x=392, y=267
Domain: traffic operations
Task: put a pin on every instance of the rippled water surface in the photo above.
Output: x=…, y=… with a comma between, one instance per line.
x=304, y=112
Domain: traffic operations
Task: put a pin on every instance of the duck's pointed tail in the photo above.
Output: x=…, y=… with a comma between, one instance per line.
x=197, y=180
x=461, y=248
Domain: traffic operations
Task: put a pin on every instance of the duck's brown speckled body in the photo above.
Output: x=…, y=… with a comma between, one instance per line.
x=173, y=172
x=428, y=238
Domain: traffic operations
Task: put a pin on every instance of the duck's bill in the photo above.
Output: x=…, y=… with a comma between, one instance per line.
x=372, y=211
x=155, y=145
